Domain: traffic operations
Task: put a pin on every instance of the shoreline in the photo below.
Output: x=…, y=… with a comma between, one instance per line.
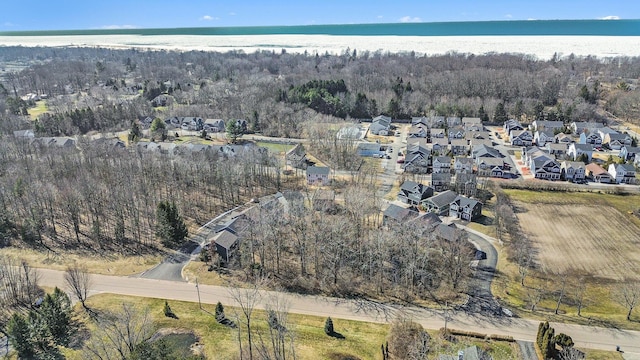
x=541, y=47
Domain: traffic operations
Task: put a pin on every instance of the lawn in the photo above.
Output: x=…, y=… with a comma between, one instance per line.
x=362, y=340
x=40, y=108
x=275, y=148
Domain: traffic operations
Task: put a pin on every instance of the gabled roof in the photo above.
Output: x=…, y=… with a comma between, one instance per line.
x=625, y=167
x=443, y=199
x=572, y=164
x=631, y=149
x=447, y=232
x=463, y=160
x=399, y=213
x=464, y=201
x=367, y=146
x=596, y=169
x=486, y=151
x=225, y=239
x=459, y=142
x=318, y=170
x=443, y=159
x=429, y=220
x=491, y=162
x=582, y=147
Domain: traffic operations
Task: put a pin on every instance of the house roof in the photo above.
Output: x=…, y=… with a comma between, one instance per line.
x=557, y=146
x=572, y=164
x=367, y=146
x=443, y=159
x=631, y=149
x=491, y=161
x=463, y=160
x=399, y=213
x=596, y=169
x=486, y=151
x=618, y=136
x=465, y=201
x=626, y=167
x=430, y=220
x=459, y=142
x=409, y=185
x=225, y=239
x=447, y=232
x=582, y=147
x=440, y=141
x=318, y=170
x=443, y=199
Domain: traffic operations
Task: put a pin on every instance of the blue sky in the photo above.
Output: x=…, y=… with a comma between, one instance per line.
x=97, y=14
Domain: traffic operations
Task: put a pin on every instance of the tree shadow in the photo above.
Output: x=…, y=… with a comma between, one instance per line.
x=336, y=335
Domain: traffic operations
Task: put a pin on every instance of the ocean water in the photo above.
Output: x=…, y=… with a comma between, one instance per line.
x=478, y=28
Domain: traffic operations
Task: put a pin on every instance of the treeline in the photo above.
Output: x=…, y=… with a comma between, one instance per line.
x=105, y=199
x=238, y=85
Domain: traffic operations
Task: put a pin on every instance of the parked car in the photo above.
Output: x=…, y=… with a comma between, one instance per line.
x=400, y=161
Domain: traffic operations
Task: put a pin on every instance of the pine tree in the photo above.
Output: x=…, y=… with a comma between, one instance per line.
x=170, y=226
x=482, y=114
x=20, y=336
x=167, y=310
x=500, y=114
x=219, y=312
x=55, y=312
x=328, y=326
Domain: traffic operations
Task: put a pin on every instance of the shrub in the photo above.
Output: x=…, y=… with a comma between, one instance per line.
x=328, y=326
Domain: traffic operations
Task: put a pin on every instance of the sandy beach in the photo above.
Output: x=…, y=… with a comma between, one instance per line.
x=542, y=47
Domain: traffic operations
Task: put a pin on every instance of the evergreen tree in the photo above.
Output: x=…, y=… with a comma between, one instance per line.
x=20, y=336
x=234, y=131
x=134, y=133
x=170, y=226
x=219, y=312
x=482, y=114
x=56, y=311
x=500, y=114
x=328, y=326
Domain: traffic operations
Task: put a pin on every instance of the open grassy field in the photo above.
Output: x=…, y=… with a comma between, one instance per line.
x=107, y=264
x=582, y=232
x=275, y=148
x=39, y=109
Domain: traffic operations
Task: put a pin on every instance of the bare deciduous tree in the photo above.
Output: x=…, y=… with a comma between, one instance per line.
x=628, y=294
x=247, y=299
x=78, y=281
x=117, y=334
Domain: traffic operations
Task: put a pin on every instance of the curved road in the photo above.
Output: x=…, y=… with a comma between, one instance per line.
x=362, y=310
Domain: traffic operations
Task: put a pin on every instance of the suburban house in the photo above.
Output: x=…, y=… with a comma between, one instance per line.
x=318, y=175
x=369, y=149
x=24, y=134
x=395, y=214
x=421, y=120
x=470, y=121
x=351, y=132
x=448, y=232
x=559, y=150
x=441, y=164
x=58, y=141
x=572, y=170
x=493, y=167
x=109, y=143
x=437, y=133
x=453, y=121
x=563, y=138
x=466, y=184
x=297, y=157
x=512, y=124
x=427, y=221
x=414, y=193
x=417, y=160
x=521, y=138
x=441, y=181
x=214, y=125
x=547, y=126
x=485, y=151
x=579, y=127
x=598, y=174
x=544, y=166
x=592, y=138
x=463, y=165
x=439, y=204
x=418, y=131
x=465, y=208
x=477, y=142
x=604, y=131
x=576, y=150
x=191, y=123
x=541, y=137
x=456, y=133
x=440, y=145
x=629, y=152
x=226, y=243
x=459, y=146
x=470, y=135
x=623, y=173
x=380, y=125
x=617, y=141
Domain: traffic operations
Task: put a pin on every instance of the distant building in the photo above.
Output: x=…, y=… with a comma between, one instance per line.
x=318, y=175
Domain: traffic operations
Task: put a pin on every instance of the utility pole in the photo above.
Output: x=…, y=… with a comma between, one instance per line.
x=200, y=303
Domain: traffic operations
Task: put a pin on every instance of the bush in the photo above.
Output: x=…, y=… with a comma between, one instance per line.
x=167, y=310
x=407, y=340
x=220, y=312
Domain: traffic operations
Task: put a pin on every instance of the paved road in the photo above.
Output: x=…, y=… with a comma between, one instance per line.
x=481, y=300
x=528, y=350
x=362, y=310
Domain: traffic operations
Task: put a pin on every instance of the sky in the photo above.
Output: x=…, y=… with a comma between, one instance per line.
x=104, y=14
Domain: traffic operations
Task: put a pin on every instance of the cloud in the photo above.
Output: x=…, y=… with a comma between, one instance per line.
x=232, y=14
x=116, y=27
x=9, y=24
x=610, y=17
x=508, y=16
x=209, y=18
x=408, y=19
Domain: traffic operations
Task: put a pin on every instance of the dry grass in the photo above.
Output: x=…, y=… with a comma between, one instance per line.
x=108, y=264
x=40, y=108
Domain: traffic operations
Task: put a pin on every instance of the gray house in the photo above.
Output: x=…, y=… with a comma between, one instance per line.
x=226, y=243
x=414, y=193
x=318, y=175
x=439, y=204
x=380, y=125
x=395, y=214
x=369, y=149
x=465, y=208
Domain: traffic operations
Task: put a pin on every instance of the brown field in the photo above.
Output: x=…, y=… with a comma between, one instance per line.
x=590, y=233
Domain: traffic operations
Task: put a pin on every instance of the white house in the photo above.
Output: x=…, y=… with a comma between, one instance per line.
x=441, y=164
x=521, y=138
x=380, y=125
x=572, y=170
x=576, y=150
x=623, y=173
